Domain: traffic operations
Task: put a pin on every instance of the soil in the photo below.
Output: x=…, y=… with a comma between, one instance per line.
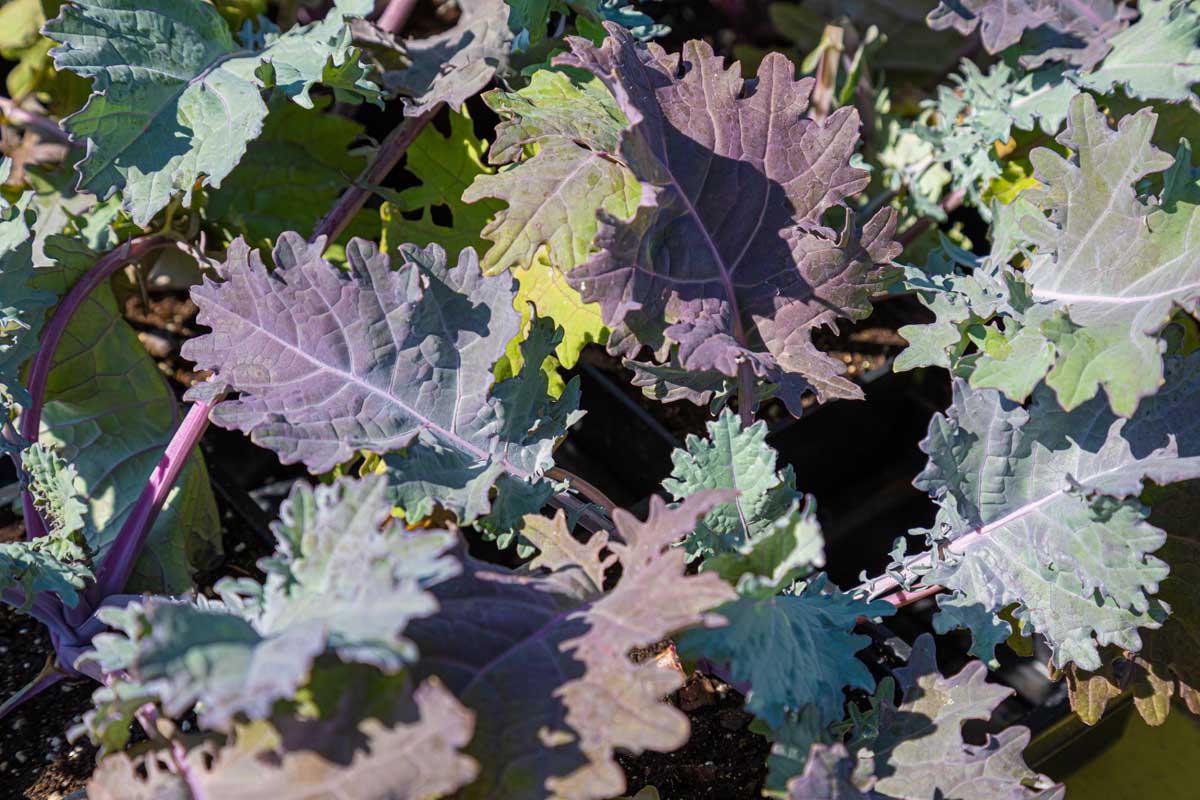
x=36, y=760
x=722, y=760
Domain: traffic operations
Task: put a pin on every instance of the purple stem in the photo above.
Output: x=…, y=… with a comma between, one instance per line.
x=388, y=156
x=45, y=608
x=44, y=680
x=21, y=118
x=114, y=571
x=395, y=16
x=39, y=370
x=949, y=203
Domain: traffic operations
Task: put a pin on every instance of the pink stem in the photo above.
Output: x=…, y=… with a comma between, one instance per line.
x=389, y=155
x=21, y=118
x=44, y=680
x=588, y=490
x=950, y=203
x=890, y=589
x=39, y=370
x=887, y=584
x=904, y=598
x=147, y=717
x=395, y=16
x=123, y=554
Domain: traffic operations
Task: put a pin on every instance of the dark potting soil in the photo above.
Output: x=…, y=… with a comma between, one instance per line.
x=722, y=760
x=36, y=760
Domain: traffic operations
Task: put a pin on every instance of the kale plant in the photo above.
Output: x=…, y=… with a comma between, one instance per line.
x=451, y=612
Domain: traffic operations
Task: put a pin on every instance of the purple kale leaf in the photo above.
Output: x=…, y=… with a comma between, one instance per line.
x=1074, y=31
x=412, y=757
x=828, y=775
x=917, y=749
x=454, y=65
x=331, y=362
x=729, y=255
x=543, y=660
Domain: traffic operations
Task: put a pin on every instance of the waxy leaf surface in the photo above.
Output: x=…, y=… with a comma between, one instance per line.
x=543, y=662
x=345, y=579
x=726, y=255
x=329, y=363
x=414, y=758
x=916, y=749
x=737, y=459
x=794, y=650
x=1052, y=496
x=1158, y=57
x=1108, y=268
x=177, y=98
x=453, y=65
x=1075, y=31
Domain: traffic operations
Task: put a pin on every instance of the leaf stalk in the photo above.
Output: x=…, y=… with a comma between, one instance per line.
x=386, y=158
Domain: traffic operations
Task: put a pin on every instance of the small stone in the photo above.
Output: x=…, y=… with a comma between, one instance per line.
x=239, y=547
x=698, y=693
x=18, y=723
x=733, y=719
x=3, y=766
x=20, y=756
x=54, y=742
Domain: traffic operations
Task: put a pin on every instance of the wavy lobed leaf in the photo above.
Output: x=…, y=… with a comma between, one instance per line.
x=28, y=568
x=560, y=137
x=828, y=775
x=1075, y=31
x=1168, y=665
x=346, y=579
x=979, y=109
x=22, y=307
x=413, y=759
x=53, y=484
x=737, y=459
x=730, y=282
x=454, y=65
x=176, y=98
x=329, y=363
x=1076, y=317
x=1158, y=57
x=796, y=651
x=1095, y=211
x=543, y=662
x=1050, y=497
x=916, y=749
